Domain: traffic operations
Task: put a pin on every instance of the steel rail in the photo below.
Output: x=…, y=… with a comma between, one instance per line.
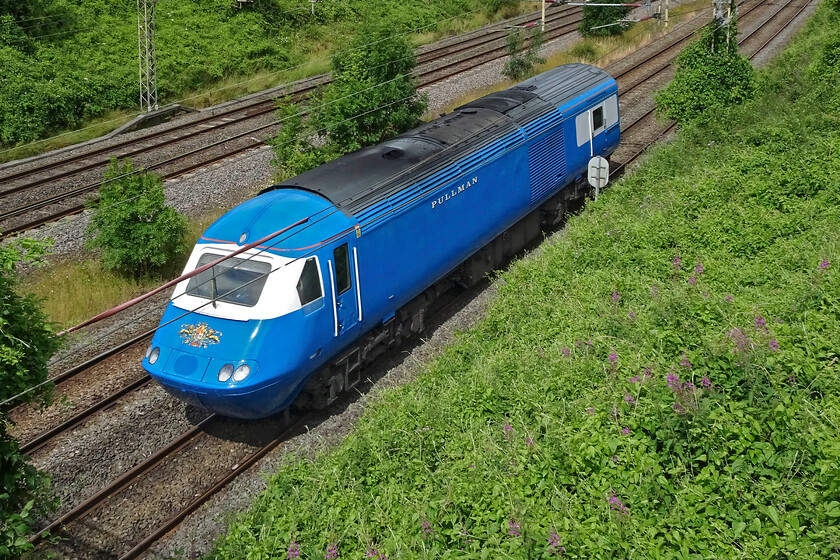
x=77, y=191
x=252, y=110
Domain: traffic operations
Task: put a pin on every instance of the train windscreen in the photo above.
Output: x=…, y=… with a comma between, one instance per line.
x=237, y=281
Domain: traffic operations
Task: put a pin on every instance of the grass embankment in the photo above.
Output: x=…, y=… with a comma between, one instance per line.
x=74, y=291
x=661, y=381
x=70, y=65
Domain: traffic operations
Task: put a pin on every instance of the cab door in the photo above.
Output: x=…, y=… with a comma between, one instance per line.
x=344, y=283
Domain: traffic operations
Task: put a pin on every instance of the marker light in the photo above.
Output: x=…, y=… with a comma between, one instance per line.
x=241, y=372
x=225, y=372
x=154, y=355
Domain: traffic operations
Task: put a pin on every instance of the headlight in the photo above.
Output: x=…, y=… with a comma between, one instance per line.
x=241, y=372
x=225, y=372
x=148, y=351
x=154, y=355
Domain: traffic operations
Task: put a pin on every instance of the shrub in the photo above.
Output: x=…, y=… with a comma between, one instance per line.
x=595, y=16
x=710, y=73
x=521, y=63
x=137, y=232
x=372, y=97
x=26, y=343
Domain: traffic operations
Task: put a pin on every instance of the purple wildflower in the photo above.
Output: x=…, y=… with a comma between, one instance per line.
x=374, y=553
x=614, y=458
x=540, y=352
x=692, y=280
x=774, y=345
x=566, y=352
x=513, y=529
x=617, y=506
x=673, y=382
x=579, y=343
x=616, y=297
x=554, y=546
x=628, y=398
x=589, y=343
x=684, y=362
x=706, y=382
x=591, y=411
x=698, y=270
x=636, y=379
x=426, y=529
x=761, y=323
x=678, y=408
x=294, y=550
x=648, y=372
x=529, y=442
x=508, y=431
x=705, y=294
x=331, y=553
x=677, y=263
x=625, y=431
x=654, y=290
x=824, y=264
x=728, y=298
x=631, y=315
x=742, y=343
x=613, y=357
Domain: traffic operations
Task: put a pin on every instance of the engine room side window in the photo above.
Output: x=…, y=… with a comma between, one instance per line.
x=237, y=281
x=309, y=285
x=342, y=269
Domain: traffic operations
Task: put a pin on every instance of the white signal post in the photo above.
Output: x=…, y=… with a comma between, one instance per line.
x=599, y=173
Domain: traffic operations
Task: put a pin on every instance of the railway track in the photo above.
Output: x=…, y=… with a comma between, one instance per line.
x=60, y=188
x=87, y=523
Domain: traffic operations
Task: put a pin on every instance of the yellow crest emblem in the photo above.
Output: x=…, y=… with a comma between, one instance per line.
x=200, y=335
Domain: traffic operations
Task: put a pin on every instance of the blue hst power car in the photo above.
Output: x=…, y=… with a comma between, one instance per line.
x=384, y=229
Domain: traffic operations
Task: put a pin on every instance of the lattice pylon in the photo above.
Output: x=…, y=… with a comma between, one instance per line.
x=146, y=52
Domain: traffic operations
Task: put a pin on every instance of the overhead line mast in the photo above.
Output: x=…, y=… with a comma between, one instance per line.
x=146, y=53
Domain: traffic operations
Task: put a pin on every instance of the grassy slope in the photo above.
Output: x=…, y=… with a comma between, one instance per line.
x=528, y=431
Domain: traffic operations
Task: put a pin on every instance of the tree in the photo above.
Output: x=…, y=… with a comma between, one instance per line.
x=710, y=73
x=597, y=16
x=26, y=344
x=372, y=97
x=521, y=63
x=137, y=232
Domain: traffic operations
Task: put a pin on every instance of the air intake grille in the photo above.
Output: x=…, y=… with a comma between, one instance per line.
x=547, y=162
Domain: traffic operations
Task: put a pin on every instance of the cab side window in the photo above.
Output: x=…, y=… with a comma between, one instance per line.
x=598, y=118
x=309, y=285
x=342, y=269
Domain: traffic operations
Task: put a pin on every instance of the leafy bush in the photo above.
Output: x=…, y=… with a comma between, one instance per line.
x=372, y=97
x=594, y=16
x=521, y=63
x=710, y=74
x=137, y=232
x=26, y=343
x=662, y=381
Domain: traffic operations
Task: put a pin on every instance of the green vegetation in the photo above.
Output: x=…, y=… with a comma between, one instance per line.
x=662, y=381
x=63, y=63
x=372, y=97
x=594, y=16
x=521, y=63
x=26, y=343
x=137, y=232
x=710, y=73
